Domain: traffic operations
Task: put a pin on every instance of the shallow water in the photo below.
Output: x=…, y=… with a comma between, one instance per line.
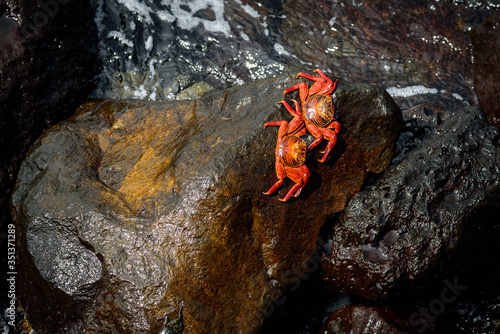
x=177, y=49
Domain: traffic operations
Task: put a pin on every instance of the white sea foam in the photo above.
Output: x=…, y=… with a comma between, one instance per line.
x=140, y=92
x=138, y=7
x=186, y=20
x=149, y=43
x=165, y=15
x=247, y=8
x=120, y=36
x=410, y=91
x=99, y=16
x=281, y=49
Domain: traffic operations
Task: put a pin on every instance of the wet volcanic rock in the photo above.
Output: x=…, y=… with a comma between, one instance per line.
x=401, y=228
x=381, y=319
x=131, y=207
x=45, y=74
x=48, y=58
x=364, y=319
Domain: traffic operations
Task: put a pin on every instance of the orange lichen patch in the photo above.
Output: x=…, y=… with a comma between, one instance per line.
x=142, y=179
x=139, y=153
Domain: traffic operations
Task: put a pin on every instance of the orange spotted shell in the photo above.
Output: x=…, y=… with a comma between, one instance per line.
x=292, y=151
x=319, y=110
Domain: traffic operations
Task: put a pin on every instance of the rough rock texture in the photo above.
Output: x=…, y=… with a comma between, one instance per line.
x=380, y=319
x=364, y=319
x=45, y=74
x=401, y=228
x=486, y=51
x=131, y=207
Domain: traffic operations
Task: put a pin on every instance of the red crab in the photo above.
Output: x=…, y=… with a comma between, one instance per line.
x=290, y=153
x=317, y=109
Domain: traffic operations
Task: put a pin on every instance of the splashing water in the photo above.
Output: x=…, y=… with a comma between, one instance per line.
x=155, y=50
x=177, y=49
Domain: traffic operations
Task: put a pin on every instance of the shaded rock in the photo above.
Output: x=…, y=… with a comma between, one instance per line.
x=380, y=319
x=44, y=74
x=400, y=229
x=364, y=319
x=486, y=51
x=206, y=13
x=132, y=207
x=48, y=58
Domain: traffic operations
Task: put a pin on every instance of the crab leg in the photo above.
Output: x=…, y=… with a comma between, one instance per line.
x=298, y=175
x=329, y=89
x=280, y=172
x=296, y=112
x=303, y=90
x=298, y=122
x=297, y=187
x=283, y=127
x=331, y=136
x=316, y=134
x=322, y=84
x=330, y=86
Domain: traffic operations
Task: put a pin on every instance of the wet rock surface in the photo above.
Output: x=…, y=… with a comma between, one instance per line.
x=130, y=208
x=400, y=230
x=379, y=319
x=365, y=319
x=45, y=74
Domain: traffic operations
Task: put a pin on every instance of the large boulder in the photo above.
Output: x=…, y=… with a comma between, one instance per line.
x=45, y=74
x=130, y=208
x=402, y=229
x=48, y=59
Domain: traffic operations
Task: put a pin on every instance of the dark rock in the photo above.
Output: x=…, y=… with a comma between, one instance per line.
x=45, y=73
x=131, y=208
x=380, y=319
x=364, y=319
x=206, y=14
x=48, y=58
x=398, y=231
x=486, y=51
